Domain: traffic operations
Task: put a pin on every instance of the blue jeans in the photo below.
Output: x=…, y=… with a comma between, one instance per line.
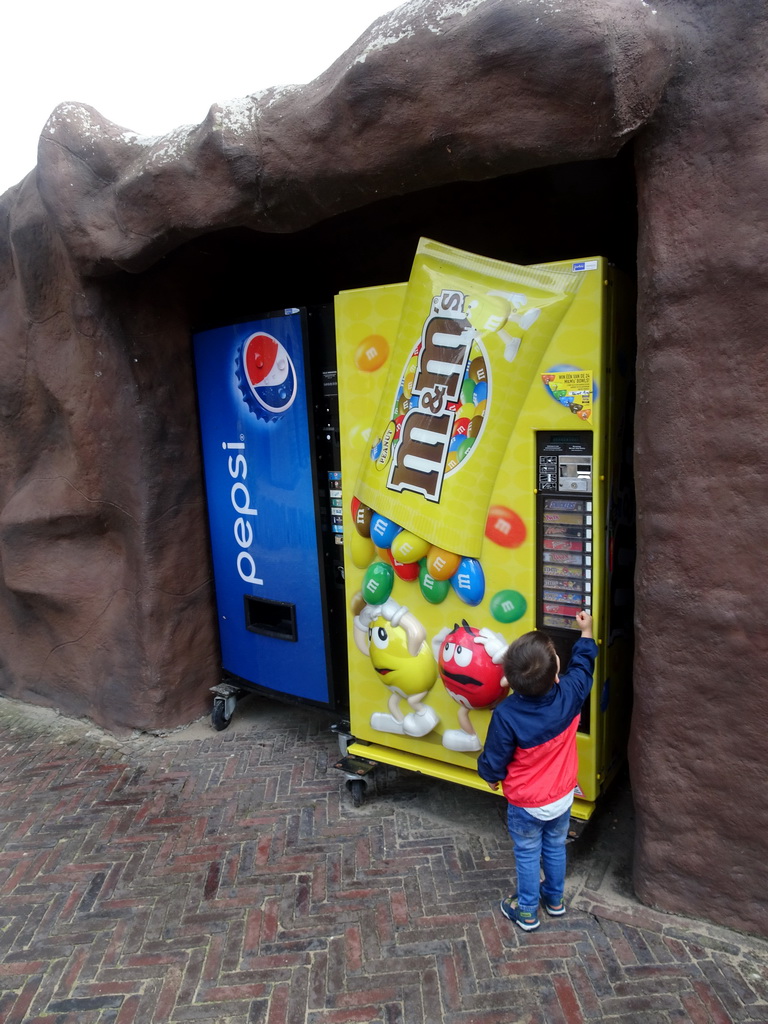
x=538, y=844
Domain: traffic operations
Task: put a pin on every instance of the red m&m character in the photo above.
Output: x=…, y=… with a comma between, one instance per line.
x=465, y=659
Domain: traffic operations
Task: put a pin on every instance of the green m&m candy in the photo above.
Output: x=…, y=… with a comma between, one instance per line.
x=432, y=590
x=377, y=582
x=508, y=606
x=465, y=447
x=467, y=390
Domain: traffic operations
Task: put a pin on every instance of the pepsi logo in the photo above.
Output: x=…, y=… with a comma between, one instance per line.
x=267, y=376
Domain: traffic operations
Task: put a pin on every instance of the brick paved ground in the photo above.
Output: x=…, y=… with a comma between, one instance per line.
x=228, y=878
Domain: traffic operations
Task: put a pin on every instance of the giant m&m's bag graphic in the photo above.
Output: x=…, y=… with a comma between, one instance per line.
x=471, y=336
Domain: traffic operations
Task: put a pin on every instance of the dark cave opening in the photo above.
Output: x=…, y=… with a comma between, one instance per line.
x=570, y=211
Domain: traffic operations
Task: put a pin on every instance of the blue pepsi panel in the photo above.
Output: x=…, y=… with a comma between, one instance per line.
x=255, y=426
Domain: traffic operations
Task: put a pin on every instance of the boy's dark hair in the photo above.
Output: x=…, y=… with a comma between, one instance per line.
x=530, y=664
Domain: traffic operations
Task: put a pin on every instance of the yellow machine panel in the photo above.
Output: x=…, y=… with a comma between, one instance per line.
x=481, y=439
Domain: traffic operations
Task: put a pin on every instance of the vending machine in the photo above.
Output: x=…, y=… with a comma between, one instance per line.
x=268, y=408
x=484, y=412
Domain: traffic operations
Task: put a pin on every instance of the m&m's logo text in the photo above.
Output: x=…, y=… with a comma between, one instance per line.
x=419, y=462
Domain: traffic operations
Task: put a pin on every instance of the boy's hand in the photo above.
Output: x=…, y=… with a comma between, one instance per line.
x=494, y=786
x=584, y=622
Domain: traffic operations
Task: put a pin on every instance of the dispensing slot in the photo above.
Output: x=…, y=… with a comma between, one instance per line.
x=271, y=618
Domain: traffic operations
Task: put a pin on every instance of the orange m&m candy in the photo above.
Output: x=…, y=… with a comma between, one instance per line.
x=441, y=564
x=372, y=353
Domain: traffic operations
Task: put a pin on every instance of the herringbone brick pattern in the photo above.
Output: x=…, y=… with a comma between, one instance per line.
x=228, y=878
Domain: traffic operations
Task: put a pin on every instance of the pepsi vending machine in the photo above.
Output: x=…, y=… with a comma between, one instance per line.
x=268, y=408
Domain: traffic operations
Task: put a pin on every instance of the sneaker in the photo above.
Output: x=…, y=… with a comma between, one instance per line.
x=556, y=909
x=522, y=918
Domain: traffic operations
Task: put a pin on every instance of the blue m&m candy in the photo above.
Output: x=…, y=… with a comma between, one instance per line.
x=383, y=531
x=469, y=581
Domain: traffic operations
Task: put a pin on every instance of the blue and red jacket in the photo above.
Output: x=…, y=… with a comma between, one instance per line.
x=531, y=743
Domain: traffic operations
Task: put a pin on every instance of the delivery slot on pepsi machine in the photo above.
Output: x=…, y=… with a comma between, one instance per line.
x=483, y=415
x=268, y=409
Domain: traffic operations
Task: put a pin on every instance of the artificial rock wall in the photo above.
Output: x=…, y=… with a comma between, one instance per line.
x=115, y=247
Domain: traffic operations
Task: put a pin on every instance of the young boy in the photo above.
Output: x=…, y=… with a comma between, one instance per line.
x=531, y=750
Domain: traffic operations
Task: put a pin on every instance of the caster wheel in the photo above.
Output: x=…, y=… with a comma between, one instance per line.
x=357, y=789
x=219, y=718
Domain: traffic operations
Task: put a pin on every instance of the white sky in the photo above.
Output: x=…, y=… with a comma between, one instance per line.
x=151, y=65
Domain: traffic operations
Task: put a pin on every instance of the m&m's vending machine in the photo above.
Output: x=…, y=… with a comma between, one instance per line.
x=268, y=408
x=483, y=415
